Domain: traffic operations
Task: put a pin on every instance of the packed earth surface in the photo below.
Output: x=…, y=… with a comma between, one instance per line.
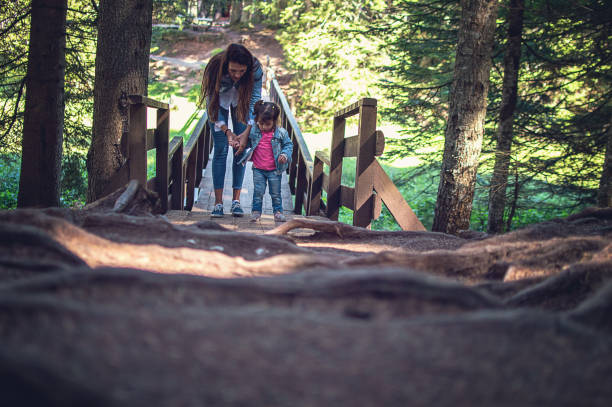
x=116, y=304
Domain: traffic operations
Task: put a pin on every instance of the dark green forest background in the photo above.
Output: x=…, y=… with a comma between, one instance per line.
x=400, y=52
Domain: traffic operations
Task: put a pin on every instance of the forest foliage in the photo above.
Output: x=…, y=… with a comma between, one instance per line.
x=400, y=52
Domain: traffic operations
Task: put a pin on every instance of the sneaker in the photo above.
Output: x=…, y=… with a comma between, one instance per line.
x=217, y=211
x=255, y=216
x=237, y=209
x=279, y=217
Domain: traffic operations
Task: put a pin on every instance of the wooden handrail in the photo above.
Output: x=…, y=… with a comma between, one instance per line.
x=179, y=165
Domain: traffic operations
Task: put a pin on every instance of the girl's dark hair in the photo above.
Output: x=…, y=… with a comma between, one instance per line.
x=214, y=71
x=265, y=111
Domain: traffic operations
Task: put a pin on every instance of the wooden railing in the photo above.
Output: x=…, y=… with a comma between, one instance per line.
x=178, y=169
x=307, y=179
x=178, y=166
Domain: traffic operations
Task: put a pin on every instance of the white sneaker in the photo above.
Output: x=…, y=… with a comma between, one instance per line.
x=255, y=216
x=279, y=217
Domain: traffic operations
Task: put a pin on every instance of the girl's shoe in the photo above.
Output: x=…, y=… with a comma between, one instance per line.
x=255, y=216
x=279, y=217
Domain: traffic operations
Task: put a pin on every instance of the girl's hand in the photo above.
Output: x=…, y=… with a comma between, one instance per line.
x=282, y=159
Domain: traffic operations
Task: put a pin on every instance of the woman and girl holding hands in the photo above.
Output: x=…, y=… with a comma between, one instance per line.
x=231, y=84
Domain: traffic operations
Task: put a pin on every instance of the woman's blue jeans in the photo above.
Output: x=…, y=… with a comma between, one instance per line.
x=221, y=148
x=273, y=180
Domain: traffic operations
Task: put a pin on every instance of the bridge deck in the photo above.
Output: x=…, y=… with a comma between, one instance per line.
x=205, y=200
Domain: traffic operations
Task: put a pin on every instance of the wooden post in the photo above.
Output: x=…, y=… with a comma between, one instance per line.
x=300, y=188
x=364, y=176
x=137, y=143
x=335, y=168
x=293, y=168
x=200, y=153
x=178, y=187
x=162, y=137
x=207, y=144
x=316, y=188
x=190, y=177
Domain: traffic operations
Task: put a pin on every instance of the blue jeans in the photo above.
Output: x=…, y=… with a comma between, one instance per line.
x=260, y=177
x=221, y=147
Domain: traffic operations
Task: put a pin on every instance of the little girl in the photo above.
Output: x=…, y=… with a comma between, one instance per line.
x=272, y=148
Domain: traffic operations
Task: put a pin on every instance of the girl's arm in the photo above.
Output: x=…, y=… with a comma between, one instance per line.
x=286, y=144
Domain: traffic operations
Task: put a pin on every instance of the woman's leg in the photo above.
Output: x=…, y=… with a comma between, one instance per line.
x=274, y=182
x=237, y=169
x=220, y=147
x=259, y=189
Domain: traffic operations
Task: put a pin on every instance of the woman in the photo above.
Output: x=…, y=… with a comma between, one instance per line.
x=231, y=83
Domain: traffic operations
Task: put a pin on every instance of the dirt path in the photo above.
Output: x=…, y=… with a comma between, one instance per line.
x=181, y=59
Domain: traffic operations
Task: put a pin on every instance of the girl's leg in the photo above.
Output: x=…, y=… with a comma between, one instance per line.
x=274, y=182
x=221, y=147
x=237, y=169
x=259, y=189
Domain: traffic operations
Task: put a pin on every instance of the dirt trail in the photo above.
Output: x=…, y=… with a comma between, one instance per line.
x=181, y=59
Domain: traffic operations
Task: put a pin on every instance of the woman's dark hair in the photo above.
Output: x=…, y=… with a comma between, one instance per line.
x=214, y=71
x=265, y=111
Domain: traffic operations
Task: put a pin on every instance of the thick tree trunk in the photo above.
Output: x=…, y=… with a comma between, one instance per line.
x=604, y=197
x=39, y=181
x=499, y=181
x=122, y=67
x=465, y=124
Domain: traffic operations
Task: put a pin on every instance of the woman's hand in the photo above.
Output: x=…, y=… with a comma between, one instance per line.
x=282, y=159
x=241, y=141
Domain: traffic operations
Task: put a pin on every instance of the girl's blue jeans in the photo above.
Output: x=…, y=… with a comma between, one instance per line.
x=221, y=148
x=273, y=180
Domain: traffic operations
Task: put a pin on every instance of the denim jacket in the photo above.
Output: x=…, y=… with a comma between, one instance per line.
x=227, y=84
x=281, y=144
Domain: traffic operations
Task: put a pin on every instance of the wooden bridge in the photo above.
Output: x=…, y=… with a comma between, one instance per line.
x=184, y=183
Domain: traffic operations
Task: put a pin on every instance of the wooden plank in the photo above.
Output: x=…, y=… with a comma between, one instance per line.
x=190, y=178
x=293, y=166
x=176, y=173
x=148, y=102
x=353, y=109
x=351, y=145
x=316, y=187
x=335, y=168
x=364, y=176
x=161, y=156
x=137, y=143
x=150, y=139
x=323, y=156
x=347, y=197
x=393, y=199
x=301, y=185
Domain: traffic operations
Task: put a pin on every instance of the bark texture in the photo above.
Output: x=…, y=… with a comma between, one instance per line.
x=465, y=124
x=604, y=197
x=122, y=66
x=39, y=181
x=499, y=181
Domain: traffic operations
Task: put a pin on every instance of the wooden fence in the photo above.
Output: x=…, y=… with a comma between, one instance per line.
x=178, y=166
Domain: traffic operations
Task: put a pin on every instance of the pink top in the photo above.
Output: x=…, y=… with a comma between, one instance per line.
x=263, y=157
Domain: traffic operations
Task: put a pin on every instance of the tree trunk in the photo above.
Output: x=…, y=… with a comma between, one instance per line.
x=39, y=180
x=236, y=11
x=604, y=197
x=499, y=181
x=122, y=67
x=467, y=110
